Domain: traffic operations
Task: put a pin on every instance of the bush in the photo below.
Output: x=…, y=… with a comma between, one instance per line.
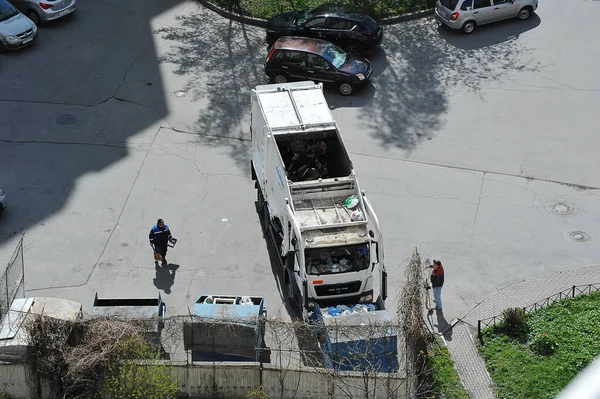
x=130, y=379
x=257, y=393
x=267, y=8
x=514, y=321
x=443, y=377
x=543, y=345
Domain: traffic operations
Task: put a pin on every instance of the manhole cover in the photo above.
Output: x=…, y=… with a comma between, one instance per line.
x=180, y=93
x=66, y=119
x=561, y=208
x=579, y=236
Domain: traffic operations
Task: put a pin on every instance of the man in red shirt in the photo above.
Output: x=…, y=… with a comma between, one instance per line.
x=437, y=282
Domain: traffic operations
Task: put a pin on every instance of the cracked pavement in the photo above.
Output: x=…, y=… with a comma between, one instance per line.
x=464, y=145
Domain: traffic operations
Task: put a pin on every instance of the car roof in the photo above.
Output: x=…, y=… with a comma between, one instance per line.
x=307, y=44
x=338, y=10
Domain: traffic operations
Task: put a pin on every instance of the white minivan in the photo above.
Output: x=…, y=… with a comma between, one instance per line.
x=466, y=15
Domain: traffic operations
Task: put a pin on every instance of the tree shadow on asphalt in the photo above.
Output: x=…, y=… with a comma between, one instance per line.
x=425, y=67
x=222, y=61
x=417, y=69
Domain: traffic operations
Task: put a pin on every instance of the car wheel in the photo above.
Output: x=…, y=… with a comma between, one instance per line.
x=524, y=13
x=280, y=78
x=354, y=48
x=468, y=27
x=346, y=88
x=34, y=17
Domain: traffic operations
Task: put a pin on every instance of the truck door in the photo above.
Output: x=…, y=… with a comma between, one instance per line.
x=294, y=274
x=378, y=243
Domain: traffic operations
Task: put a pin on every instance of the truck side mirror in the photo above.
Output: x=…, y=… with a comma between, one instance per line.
x=294, y=241
x=371, y=234
x=375, y=251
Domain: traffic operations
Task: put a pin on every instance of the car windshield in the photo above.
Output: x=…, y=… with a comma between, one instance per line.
x=331, y=260
x=370, y=24
x=6, y=11
x=335, y=55
x=301, y=20
x=449, y=4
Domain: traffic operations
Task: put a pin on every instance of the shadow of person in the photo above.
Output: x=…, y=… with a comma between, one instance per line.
x=165, y=276
x=443, y=326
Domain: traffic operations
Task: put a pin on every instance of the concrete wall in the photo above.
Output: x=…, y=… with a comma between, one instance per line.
x=223, y=380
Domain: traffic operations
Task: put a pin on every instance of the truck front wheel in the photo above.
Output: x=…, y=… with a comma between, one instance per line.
x=290, y=294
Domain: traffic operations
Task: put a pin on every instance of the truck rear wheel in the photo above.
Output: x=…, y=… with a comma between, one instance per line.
x=260, y=200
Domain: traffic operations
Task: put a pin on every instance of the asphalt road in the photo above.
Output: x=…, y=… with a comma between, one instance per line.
x=480, y=150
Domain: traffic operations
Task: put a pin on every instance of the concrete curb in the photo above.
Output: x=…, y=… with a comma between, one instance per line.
x=262, y=23
x=233, y=16
x=407, y=17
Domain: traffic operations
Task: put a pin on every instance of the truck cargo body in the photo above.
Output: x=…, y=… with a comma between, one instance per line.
x=314, y=213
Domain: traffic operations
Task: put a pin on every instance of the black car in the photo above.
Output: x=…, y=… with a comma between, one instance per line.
x=302, y=58
x=357, y=33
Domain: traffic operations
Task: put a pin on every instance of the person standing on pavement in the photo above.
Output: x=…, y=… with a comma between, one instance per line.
x=437, y=282
x=160, y=236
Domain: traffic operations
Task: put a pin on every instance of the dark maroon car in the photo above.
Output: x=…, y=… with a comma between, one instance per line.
x=301, y=58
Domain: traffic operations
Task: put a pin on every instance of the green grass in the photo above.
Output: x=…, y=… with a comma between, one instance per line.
x=555, y=344
x=443, y=376
x=267, y=8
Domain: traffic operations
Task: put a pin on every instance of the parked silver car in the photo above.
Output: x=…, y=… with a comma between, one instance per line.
x=468, y=14
x=16, y=30
x=3, y=203
x=45, y=10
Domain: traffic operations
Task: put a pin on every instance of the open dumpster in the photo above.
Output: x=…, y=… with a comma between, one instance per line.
x=356, y=337
x=152, y=310
x=227, y=328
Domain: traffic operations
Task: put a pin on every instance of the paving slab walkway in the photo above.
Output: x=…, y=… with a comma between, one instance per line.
x=461, y=341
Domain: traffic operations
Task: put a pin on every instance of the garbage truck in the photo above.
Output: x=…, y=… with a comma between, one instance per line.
x=321, y=224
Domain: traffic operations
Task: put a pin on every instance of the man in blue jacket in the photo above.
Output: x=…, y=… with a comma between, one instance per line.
x=160, y=236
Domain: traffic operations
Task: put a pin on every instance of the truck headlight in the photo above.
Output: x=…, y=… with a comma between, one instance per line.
x=367, y=298
x=360, y=76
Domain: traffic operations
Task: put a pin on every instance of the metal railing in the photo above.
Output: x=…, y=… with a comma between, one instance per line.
x=12, y=281
x=570, y=292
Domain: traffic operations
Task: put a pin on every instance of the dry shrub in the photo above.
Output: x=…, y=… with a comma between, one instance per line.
x=76, y=356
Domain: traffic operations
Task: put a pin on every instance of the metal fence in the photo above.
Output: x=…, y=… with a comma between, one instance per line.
x=570, y=292
x=12, y=281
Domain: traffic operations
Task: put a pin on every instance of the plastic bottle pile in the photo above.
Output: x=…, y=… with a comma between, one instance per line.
x=339, y=310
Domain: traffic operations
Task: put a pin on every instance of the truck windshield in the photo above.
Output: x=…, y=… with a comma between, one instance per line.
x=331, y=260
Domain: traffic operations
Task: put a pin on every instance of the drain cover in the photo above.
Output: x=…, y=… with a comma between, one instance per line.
x=579, y=236
x=66, y=119
x=562, y=209
x=180, y=93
